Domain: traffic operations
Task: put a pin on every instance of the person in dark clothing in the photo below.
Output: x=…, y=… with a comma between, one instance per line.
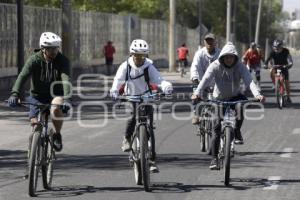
x=281, y=56
x=108, y=52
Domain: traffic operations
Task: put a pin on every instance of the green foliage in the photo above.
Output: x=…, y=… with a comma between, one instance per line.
x=213, y=13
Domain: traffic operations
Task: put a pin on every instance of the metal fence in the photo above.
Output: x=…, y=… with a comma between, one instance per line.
x=91, y=31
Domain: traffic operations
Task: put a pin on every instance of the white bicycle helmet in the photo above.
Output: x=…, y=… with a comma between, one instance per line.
x=139, y=46
x=49, y=39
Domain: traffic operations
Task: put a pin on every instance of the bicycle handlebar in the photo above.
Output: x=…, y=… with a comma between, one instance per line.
x=231, y=102
x=142, y=98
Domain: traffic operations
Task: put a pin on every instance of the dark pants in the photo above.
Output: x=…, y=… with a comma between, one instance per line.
x=215, y=140
x=130, y=128
x=108, y=62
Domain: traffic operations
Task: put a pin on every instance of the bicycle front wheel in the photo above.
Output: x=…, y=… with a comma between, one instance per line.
x=144, y=157
x=47, y=166
x=34, y=162
x=136, y=161
x=279, y=96
x=228, y=138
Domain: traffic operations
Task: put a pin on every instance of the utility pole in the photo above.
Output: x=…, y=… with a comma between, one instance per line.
x=20, y=24
x=258, y=22
x=200, y=20
x=172, y=5
x=250, y=21
x=67, y=30
x=228, y=22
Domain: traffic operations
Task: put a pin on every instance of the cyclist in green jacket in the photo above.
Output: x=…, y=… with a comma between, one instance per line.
x=49, y=71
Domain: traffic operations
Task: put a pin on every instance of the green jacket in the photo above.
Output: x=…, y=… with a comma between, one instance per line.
x=43, y=74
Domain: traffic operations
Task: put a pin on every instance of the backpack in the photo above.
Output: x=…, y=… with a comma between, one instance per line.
x=145, y=74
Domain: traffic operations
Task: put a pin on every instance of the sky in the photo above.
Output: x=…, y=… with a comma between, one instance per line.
x=291, y=5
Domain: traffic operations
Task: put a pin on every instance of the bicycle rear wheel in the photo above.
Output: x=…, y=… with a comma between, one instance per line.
x=228, y=138
x=144, y=157
x=47, y=166
x=136, y=161
x=34, y=162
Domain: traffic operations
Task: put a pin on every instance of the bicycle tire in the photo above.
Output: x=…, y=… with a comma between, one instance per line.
x=136, y=163
x=47, y=167
x=144, y=157
x=279, y=97
x=228, y=138
x=202, y=139
x=34, y=159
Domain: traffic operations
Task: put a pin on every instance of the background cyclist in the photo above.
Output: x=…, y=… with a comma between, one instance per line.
x=202, y=58
x=281, y=56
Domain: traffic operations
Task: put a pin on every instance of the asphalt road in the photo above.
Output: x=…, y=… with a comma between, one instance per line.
x=92, y=165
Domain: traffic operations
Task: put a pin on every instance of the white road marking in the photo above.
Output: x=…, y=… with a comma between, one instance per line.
x=272, y=183
x=296, y=131
x=287, y=153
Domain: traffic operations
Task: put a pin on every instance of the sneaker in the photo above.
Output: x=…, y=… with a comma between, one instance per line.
x=239, y=141
x=214, y=164
x=57, y=142
x=153, y=167
x=288, y=99
x=238, y=138
x=126, y=146
x=195, y=120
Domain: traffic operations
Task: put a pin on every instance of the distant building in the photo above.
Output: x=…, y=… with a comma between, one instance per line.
x=296, y=14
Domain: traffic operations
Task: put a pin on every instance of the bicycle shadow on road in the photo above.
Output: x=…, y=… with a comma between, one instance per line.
x=76, y=190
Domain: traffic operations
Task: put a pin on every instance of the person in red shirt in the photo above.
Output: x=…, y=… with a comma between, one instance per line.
x=183, y=53
x=108, y=52
x=252, y=58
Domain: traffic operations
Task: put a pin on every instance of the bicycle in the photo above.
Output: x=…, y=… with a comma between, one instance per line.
x=205, y=125
x=41, y=154
x=226, y=147
x=181, y=67
x=280, y=90
x=142, y=139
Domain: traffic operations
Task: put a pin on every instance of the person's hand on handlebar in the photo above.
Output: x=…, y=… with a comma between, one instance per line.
x=13, y=100
x=261, y=98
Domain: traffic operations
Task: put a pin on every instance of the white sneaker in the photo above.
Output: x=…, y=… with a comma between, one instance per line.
x=153, y=167
x=126, y=145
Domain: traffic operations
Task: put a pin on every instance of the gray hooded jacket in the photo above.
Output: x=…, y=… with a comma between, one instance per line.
x=227, y=80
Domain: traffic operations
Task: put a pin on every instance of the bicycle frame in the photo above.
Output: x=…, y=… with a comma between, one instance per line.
x=280, y=90
x=226, y=148
x=41, y=155
x=142, y=139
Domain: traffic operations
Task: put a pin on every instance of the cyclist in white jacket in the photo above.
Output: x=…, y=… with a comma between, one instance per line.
x=202, y=58
x=137, y=73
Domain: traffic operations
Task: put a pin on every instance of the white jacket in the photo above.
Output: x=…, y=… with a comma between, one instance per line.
x=227, y=81
x=201, y=61
x=138, y=86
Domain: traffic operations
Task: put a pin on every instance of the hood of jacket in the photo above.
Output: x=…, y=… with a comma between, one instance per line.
x=228, y=49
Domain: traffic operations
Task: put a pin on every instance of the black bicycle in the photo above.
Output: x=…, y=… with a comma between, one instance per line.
x=226, y=147
x=142, y=139
x=41, y=154
x=205, y=125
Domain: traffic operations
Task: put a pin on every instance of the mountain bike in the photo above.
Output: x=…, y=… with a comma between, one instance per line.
x=280, y=90
x=181, y=67
x=142, y=139
x=41, y=154
x=226, y=147
x=205, y=125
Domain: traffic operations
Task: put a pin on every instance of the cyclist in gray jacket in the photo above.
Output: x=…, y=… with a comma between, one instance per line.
x=227, y=71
